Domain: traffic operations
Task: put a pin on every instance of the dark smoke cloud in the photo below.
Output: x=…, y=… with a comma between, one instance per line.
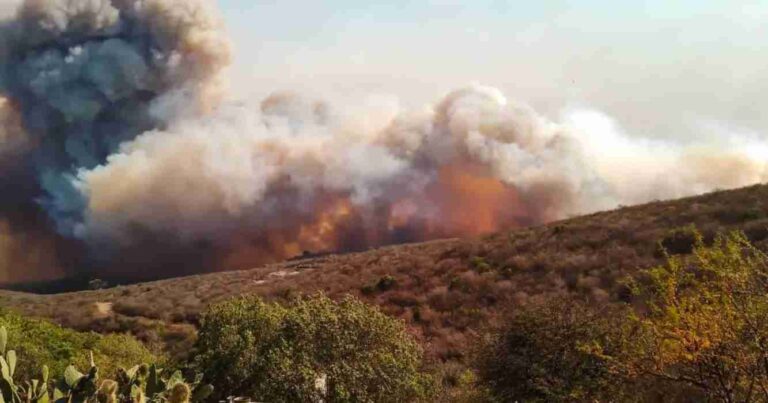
x=116, y=138
x=86, y=76
x=83, y=76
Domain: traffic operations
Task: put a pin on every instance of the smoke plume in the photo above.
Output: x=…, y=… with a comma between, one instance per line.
x=116, y=138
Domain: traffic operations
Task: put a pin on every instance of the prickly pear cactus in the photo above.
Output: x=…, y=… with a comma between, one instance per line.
x=137, y=395
x=180, y=393
x=76, y=387
x=107, y=392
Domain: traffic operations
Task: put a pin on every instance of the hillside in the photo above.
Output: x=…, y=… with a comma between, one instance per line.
x=445, y=290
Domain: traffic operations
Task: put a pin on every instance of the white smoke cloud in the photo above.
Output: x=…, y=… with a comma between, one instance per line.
x=205, y=176
x=641, y=169
x=216, y=173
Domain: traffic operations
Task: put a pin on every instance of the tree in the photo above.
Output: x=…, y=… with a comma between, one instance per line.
x=561, y=350
x=311, y=349
x=705, y=320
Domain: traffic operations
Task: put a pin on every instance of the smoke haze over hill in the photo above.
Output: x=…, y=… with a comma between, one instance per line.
x=122, y=152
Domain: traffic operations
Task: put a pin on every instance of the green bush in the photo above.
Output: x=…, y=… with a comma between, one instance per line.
x=39, y=342
x=697, y=332
x=385, y=283
x=285, y=353
x=705, y=324
x=560, y=351
x=141, y=384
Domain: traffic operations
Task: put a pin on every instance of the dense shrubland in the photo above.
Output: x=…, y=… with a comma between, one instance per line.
x=598, y=324
x=446, y=291
x=696, y=329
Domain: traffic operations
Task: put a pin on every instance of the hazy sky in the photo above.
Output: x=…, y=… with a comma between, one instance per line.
x=661, y=68
x=657, y=66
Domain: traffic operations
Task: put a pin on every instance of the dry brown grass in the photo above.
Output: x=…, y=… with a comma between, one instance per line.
x=448, y=291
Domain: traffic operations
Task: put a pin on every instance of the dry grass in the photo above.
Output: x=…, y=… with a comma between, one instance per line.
x=447, y=291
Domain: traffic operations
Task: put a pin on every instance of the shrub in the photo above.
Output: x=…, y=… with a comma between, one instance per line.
x=558, y=351
x=458, y=384
x=736, y=214
x=385, y=283
x=757, y=231
x=480, y=264
x=707, y=320
x=698, y=333
x=39, y=342
x=114, y=351
x=679, y=241
x=279, y=353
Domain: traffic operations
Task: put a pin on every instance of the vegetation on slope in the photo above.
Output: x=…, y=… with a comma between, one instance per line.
x=448, y=292
x=40, y=342
x=140, y=384
x=559, y=350
x=696, y=330
x=692, y=328
x=312, y=350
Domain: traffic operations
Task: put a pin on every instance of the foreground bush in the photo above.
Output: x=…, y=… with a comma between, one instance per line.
x=141, y=384
x=699, y=332
x=38, y=343
x=559, y=351
x=706, y=322
x=312, y=349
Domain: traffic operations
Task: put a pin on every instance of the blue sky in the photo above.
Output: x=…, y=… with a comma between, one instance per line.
x=653, y=64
